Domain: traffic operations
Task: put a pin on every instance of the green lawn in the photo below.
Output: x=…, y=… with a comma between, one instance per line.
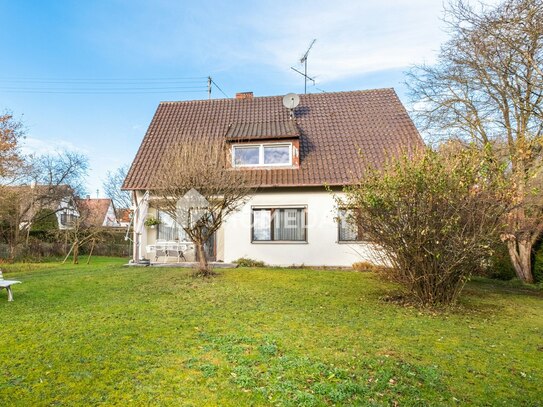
x=105, y=334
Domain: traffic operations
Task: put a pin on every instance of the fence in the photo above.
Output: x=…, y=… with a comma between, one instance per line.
x=111, y=243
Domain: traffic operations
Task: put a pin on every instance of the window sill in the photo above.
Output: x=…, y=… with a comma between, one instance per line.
x=266, y=167
x=351, y=242
x=278, y=242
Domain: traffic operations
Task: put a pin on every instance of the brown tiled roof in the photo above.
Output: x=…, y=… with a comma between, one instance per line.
x=123, y=215
x=335, y=128
x=258, y=131
x=93, y=211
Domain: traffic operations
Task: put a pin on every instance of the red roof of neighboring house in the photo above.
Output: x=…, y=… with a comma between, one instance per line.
x=334, y=129
x=123, y=215
x=94, y=211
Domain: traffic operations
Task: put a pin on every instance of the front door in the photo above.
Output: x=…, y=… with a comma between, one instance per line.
x=210, y=248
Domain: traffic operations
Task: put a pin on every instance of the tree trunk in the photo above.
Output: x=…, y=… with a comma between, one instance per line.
x=520, y=252
x=202, y=259
x=76, y=252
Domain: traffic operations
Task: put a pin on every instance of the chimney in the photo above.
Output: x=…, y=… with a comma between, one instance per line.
x=244, y=95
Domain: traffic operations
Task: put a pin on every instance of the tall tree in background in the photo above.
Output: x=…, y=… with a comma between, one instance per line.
x=112, y=188
x=65, y=167
x=38, y=185
x=11, y=132
x=487, y=87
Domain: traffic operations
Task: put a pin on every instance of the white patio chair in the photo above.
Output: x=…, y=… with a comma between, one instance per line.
x=7, y=285
x=161, y=249
x=175, y=249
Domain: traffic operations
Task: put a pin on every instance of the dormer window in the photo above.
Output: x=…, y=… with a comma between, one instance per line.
x=262, y=155
x=264, y=145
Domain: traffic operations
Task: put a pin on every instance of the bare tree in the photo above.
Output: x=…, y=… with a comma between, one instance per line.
x=82, y=231
x=487, y=87
x=40, y=182
x=61, y=168
x=197, y=186
x=112, y=188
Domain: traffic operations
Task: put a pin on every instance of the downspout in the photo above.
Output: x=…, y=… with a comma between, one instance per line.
x=133, y=222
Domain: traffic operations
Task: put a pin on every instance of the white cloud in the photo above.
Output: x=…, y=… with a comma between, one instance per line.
x=33, y=145
x=353, y=38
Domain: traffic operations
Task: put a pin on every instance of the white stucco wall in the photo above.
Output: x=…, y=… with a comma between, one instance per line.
x=111, y=218
x=322, y=247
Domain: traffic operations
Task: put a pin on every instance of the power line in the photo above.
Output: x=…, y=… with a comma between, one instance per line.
x=102, y=85
x=35, y=79
x=91, y=92
x=200, y=87
x=86, y=86
x=218, y=87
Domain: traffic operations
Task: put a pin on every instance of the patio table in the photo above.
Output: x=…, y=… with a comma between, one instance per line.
x=170, y=249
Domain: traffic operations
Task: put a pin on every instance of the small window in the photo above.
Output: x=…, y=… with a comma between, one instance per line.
x=273, y=154
x=279, y=224
x=348, y=229
x=277, y=155
x=67, y=219
x=246, y=155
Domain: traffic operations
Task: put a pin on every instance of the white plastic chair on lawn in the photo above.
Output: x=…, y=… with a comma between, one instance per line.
x=7, y=285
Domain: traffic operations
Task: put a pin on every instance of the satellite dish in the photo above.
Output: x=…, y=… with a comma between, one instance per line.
x=291, y=100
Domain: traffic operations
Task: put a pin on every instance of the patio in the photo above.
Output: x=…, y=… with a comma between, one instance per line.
x=175, y=254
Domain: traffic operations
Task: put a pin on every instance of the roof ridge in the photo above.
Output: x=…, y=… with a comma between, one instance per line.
x=321, y=94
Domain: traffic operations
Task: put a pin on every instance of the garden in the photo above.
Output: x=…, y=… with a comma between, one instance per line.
x=107, y=334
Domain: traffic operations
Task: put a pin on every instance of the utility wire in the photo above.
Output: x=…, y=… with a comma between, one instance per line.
x=34, y=79
x=103, y=85
x=218, y=87
x=91, y=92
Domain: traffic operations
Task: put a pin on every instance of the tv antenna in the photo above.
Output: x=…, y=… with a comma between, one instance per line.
x=303, y=60
x=290, y=101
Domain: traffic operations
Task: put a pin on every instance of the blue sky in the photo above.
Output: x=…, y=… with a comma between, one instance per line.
x=243, y=45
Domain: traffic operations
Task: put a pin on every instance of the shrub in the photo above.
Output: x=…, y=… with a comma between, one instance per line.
x=367, y=266
x=538, y=262
x=245, y=262
x=500, y=266
x=45, y=220
x=435, y=216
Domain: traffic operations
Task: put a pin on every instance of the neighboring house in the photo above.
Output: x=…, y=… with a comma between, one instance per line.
x=97, y=212
x=67, y=214
x=58, y=199
x=290, y=158
x=124, y=216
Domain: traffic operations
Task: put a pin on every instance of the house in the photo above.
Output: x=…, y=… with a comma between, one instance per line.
x=290, y=156
x=124, y=216
x=35, y=201
x=97, y=212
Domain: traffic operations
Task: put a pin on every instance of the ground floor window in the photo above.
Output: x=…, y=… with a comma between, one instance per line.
x=68, y=219
x=279, y=224
x=168, y=229
x=348, y=231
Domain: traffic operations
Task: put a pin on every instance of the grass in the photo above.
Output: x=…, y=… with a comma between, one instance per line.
x=104, y=334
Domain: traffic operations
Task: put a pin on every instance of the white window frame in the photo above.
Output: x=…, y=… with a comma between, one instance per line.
x=275, y=207
x=358, y=239
x=261, y=147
